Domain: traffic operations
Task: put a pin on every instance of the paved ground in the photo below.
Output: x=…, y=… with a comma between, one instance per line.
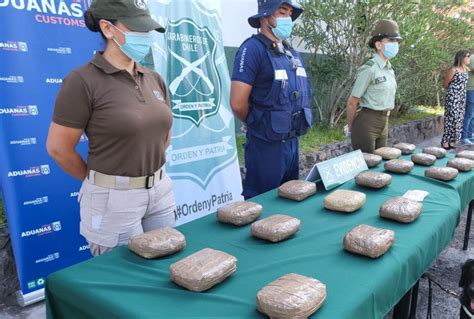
x=446, y=270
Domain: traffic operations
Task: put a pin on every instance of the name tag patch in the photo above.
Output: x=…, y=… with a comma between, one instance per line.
x=301, y=72
x=380, y=80
x=281, y=75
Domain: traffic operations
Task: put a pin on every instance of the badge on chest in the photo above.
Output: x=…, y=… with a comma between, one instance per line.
x=380, y=79
x=158, y=95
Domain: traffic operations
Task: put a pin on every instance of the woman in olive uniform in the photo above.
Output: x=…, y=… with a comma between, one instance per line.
x=374, y=91
x=124, y=110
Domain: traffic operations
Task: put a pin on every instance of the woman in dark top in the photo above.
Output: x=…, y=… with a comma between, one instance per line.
x=124, y=110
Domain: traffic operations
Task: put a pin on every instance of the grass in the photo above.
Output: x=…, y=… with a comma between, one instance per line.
x=240, y=140
x=417, y=113
x=316, y=137
x=320, y=135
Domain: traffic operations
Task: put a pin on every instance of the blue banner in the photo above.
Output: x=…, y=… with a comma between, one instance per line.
x=40, y=43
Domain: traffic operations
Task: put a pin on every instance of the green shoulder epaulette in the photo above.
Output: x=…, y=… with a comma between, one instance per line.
x=369, y=62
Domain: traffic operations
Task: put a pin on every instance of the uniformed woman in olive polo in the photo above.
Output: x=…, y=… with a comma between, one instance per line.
x=374, y=91
x=124, y=110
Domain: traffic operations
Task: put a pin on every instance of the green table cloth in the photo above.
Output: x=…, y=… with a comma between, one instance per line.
x=463, y=183
x=120, y=284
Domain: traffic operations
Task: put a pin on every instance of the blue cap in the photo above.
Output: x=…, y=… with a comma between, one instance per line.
x=268, y=7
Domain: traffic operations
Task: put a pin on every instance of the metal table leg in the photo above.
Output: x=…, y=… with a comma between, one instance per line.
x=402, y=308
x=468, y=225
x=414, y=300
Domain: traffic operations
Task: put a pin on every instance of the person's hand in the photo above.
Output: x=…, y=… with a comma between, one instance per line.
x=347, y=133
x=243, y=128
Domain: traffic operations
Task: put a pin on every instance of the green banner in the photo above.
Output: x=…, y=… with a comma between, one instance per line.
x=202, y=159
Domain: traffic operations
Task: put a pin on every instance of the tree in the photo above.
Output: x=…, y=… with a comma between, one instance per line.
x=337, y=33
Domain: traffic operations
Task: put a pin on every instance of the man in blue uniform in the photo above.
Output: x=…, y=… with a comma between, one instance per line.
x=271, y=94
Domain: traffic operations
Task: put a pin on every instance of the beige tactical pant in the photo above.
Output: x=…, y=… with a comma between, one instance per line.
x=109, y=217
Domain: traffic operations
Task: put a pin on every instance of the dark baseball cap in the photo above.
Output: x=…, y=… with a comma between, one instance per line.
x=133, y=13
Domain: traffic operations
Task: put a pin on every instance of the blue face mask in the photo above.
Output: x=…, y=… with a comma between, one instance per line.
x=136, y=46
x=283, y=28
x=390, y=49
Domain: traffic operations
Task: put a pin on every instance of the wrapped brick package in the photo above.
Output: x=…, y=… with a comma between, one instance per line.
x=291, y=296
x=461, y=164
x=239, y=213
x=297, y=189
x=369, y=241
x=423, y=159
x=372, y=160
x=388, y=153
x=466, y=154
x=406, y=148
x=442, y=173
x=157, y=243
x=401, y=209
x=400, y=166
x=276, y=227
x=373, y=179
x=436, y=151
x=342, y=200
x=203, y=269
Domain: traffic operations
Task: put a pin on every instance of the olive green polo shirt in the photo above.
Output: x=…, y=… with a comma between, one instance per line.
x=126, y=117
x=470, y=81
x=375, y=85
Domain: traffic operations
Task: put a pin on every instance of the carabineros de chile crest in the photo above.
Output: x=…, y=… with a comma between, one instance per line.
x=193, y=79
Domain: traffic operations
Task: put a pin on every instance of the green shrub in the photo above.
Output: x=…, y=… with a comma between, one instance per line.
x=337, y=32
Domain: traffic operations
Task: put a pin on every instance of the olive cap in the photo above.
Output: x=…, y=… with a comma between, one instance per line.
x=133, y=13
x=387, y=29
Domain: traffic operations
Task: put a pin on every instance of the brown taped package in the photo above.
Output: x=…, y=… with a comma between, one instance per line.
x=239, y=213
x=203, y=269
x=157, y=243
x=406, y=148
x=276, y=227
x=423, y=159
x=399, y=166
x=373, y=179
x=461, y=164
x=436, y=151
x=401, y=209
x=388, y=153
x=372, y=160
x=297, y=189
x=442, y=173
x=466, y=154
x=369, y=241
x=343, y=200
x=291, y=296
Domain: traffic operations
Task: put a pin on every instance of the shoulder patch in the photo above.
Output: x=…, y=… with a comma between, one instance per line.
x=370, y=62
